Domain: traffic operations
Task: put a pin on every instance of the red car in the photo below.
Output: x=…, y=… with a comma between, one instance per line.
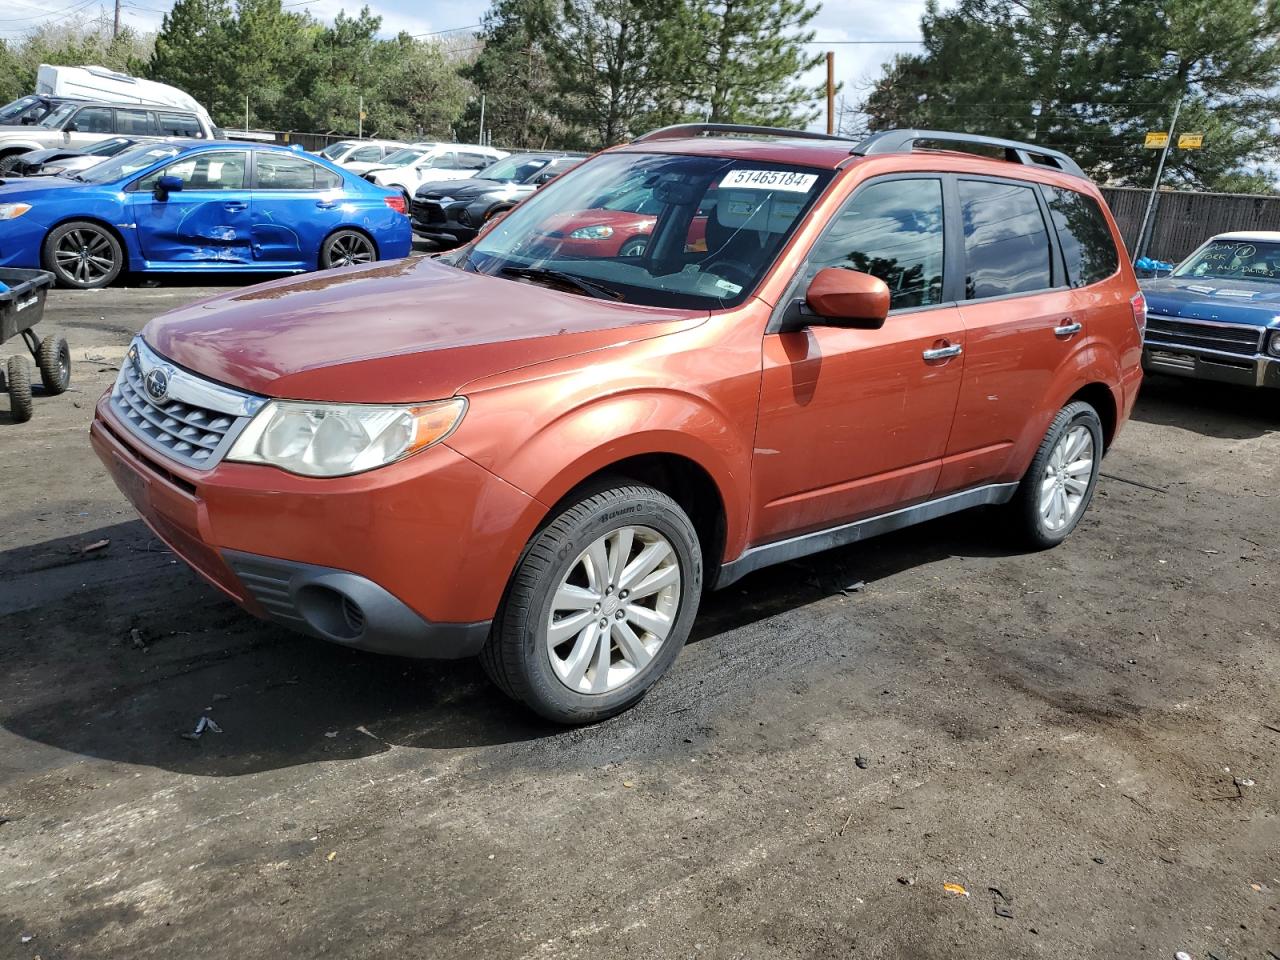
x=616, y=228
x=545, y=458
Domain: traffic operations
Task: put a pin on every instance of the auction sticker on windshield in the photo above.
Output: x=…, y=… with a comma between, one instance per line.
x=787, y=180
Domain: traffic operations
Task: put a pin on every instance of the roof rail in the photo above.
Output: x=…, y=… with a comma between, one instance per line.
x=682, y=130
x=901, y=141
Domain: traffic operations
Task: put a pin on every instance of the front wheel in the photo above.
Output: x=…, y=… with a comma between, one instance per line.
x=83, y=255
x=599, y=606
x=1059, y=484
x=18, y=379
x=54, y=360
x=347, y=248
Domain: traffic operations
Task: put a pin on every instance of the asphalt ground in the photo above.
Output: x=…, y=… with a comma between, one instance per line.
x=1091, y=731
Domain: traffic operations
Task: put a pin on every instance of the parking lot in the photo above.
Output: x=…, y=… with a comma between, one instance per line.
x=1092, y=732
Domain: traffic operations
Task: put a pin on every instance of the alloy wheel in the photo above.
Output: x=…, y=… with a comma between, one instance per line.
x=1066, y=478
x=613, y=609
x=84, y=255
x=349, y=249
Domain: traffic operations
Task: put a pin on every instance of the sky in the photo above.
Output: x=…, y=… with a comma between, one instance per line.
x=839, y=20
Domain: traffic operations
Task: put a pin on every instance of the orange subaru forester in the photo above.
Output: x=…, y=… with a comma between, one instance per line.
x=543, y=457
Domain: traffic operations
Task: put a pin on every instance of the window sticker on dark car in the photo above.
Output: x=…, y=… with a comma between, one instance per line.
x=1085, y=238
x=1006, y=244
x=891, y=230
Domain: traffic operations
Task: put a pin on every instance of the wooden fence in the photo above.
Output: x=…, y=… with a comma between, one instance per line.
x=1183, y=220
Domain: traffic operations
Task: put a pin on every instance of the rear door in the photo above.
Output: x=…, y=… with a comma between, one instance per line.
x=295, y=204
x=207, y=222
x=855, y=422
x=134, y=122
x=1020, y=324
x=91, y=124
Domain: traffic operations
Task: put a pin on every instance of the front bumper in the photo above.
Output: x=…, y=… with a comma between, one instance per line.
x=20, y=241
x=410, y=559
x=1258, y=370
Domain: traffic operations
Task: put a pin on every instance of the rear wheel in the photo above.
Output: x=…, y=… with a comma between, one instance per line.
x=1058, y=486
x=347, y=248
x=599, y=607
x=18, y=379
x=634, y=247
x=55, y=364
x=8, y=162
x=82, y=255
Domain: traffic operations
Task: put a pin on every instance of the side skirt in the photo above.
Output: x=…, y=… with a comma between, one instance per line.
x=793, y=548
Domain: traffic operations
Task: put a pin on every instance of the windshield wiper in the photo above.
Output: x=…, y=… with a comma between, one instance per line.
x=559, y=278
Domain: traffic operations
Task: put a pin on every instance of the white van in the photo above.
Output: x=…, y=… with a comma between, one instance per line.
x=99, y=83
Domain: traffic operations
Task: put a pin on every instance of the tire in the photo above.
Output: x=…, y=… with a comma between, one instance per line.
x=1053, y=496
x=345, y=248
x=82, y=255
x=553, y=680
x=18, y=378
x=55, y=365
x=8, y=162
x=634, y=247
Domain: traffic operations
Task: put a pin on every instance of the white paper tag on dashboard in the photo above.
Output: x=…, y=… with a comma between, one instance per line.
x=785, y=180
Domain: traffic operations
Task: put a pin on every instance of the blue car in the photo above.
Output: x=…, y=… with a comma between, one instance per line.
x=1217, y=317
x=194, y=206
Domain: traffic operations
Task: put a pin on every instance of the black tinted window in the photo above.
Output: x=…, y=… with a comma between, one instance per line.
x=1006, y=245
x=278, y=171
x=134, y=122
x=1084, y=236
x=178, y=125
x=94, y=120
x=891, y=230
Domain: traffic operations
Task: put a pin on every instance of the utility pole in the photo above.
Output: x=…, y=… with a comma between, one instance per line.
x=115, y=28
x=1155, y=187
x=246, y=112
x=360, y=120
x=831, y=91
x=482, y=119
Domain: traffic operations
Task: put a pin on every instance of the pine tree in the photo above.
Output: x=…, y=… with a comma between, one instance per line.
x=514, y=76
x=192, y=53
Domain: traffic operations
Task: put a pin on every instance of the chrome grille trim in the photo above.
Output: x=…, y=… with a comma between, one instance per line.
x=1174, y=332
x=196, y=422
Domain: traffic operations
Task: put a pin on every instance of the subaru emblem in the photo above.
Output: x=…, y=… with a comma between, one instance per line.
x=156, y=383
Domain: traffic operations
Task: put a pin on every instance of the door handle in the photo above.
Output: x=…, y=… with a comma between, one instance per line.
x=943, y=353
x=234, y=207
x=326, y=204
x=1068, y=328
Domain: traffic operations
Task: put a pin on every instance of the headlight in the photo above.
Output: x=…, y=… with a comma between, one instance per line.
x=334, y=440
x=12, y=211
x=597, y=232
x=1274, y=346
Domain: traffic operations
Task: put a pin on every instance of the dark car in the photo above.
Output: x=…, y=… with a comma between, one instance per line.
x=31, y=109
x=452, y=211
x=57, y=160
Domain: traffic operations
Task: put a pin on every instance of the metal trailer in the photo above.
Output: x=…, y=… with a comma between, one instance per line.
x=21, y=308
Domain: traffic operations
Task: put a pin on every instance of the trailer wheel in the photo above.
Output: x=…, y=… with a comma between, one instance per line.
x=18, y=376
x=55, y=365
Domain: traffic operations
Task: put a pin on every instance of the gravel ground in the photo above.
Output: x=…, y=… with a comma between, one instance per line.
x=1092, y=732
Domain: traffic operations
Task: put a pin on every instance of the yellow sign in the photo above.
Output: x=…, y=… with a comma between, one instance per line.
x=1156, y=141
x=1190, y=141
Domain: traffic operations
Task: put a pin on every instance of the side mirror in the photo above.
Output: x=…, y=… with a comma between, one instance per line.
x=847, y=298
x=168, y=185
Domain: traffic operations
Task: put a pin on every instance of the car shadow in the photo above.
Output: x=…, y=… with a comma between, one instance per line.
x=1220, y=410
x=116, y=650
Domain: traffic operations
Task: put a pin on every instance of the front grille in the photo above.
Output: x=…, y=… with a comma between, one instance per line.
x=268, y=583
x=196, y=420
x=428, y=211
x=1226, y=338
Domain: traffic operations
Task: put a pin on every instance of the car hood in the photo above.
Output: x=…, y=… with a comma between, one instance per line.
x=398, y=332
x=24, y=188
x=470, y=188
x=1253, y=302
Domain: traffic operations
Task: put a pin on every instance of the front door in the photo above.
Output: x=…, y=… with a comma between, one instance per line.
x=207, y=221
x=855, y=422
x=295, y=206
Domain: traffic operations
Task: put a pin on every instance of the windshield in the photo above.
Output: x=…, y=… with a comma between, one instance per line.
x=1233, y=260
x=335, y=150
x=109, y=148
x=57, y=115
x=128, y=162
x=654, y=229
x=513, y=169
x=401, y=157
x=12, y=113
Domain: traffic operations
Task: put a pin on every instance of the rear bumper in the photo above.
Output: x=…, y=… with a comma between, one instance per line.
x=411, y=559
x=1258, y=370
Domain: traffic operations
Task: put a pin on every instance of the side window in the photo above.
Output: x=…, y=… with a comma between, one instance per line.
x=326, y=179
x=365, y=155
x=178, y=125
x=220, y=170
x=134, y=123
x=475, y=161
x=892, y=230
x=1083, y=234
x=94, y=120
x=1006, y=244
x=275, y=171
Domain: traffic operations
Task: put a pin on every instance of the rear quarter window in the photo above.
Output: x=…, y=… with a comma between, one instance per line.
x=1006, y=242
x=1086, y=241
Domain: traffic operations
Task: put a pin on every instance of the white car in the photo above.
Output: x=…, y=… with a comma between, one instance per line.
x=404, y=155
x=356, y=154
x=443, y=161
